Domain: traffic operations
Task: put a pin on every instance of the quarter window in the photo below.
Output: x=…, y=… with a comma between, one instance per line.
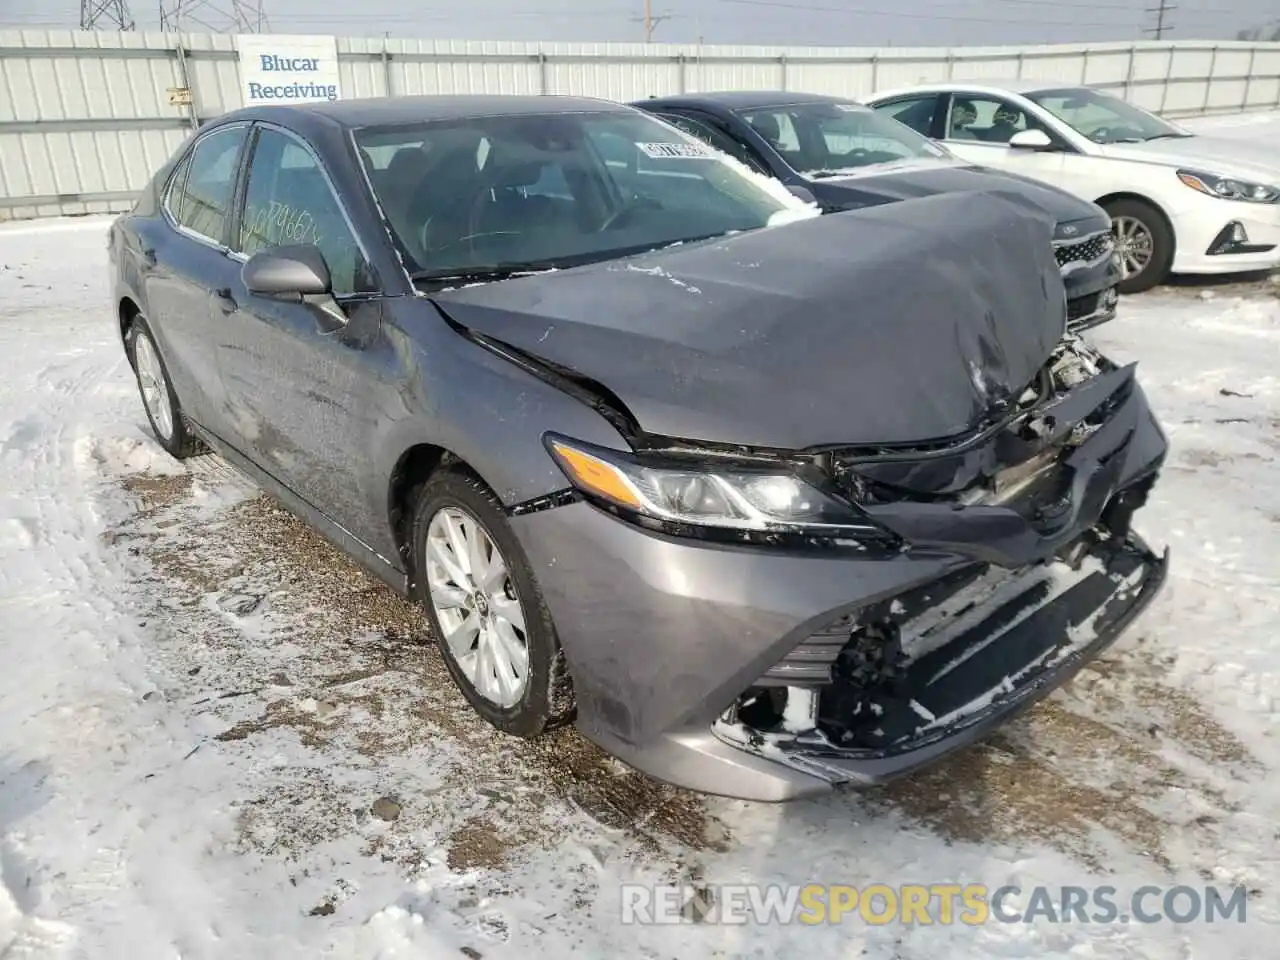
x=288, y=201
x=915, y=112
x=200, y=197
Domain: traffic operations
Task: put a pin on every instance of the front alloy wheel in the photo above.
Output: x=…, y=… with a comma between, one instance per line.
x=484, y=606
x=1134, y=244
x=475, y=602
x=1144, y=244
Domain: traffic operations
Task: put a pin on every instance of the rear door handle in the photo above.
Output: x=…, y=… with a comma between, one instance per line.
x=226, y=301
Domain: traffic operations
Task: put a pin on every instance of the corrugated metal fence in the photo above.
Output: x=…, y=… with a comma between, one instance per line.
x=86, y=117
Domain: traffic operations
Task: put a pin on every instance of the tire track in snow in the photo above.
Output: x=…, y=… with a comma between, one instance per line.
x=75, y=676
x=58, y=591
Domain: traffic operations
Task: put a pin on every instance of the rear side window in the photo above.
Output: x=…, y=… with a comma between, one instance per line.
x=916, y=112
x=288, y=201
x=200, y=197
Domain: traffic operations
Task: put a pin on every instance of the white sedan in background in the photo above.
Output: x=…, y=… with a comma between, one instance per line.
x=1180, y=202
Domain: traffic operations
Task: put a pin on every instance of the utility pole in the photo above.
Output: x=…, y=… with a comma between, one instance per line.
x=105, y=15
x=1161, y=13
x=651, y=20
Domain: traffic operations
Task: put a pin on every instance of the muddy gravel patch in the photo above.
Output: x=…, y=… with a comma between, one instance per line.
x=304, y=667
x=287, y=645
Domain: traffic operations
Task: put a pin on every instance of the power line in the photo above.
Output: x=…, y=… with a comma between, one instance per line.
x=229, y=15
x=619, y=14
x=863, y=12
x=1109, y=6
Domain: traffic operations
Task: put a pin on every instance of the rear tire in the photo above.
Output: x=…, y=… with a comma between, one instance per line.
x=164, y=412
x=485, y=609
x=1144, y=241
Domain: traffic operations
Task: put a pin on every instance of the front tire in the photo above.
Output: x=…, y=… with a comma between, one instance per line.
x=485, y=609
x=158, y=399
x=1145, y=243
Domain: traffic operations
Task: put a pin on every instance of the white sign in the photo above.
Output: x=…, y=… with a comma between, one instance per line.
x=283, y=69
x=674, y=151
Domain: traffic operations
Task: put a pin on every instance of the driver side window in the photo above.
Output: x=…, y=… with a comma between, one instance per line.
x=288, y=201
x=987, y=119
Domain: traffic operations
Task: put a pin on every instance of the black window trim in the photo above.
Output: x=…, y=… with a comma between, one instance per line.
x=241, y=194
x=184, y=166
x=759, y=164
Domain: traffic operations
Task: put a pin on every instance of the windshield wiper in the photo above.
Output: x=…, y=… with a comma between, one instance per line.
x=482, y=273
x=1172, y=135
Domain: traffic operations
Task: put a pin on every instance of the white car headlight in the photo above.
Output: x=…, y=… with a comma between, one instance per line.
x=1229, y=188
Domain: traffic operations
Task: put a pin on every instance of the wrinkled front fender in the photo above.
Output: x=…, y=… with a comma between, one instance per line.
x=462, y=398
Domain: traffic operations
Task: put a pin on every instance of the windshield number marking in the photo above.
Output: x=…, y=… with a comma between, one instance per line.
x=675, y=151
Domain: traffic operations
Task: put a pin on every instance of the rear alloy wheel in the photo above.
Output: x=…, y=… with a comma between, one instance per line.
x=1144, y=244
x=485, y=609
x=158, y=398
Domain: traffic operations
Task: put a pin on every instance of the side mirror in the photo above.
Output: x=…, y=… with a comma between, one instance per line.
x=1030, y=140
x=287, y=273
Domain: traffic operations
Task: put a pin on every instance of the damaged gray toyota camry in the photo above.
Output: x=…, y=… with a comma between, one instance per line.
x=765, y=501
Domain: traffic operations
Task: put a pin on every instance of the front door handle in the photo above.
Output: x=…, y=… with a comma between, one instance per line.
x=226, y=301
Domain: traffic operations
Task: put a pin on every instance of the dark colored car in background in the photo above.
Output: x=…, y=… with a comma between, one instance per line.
x=847, y=157
x=759, y=502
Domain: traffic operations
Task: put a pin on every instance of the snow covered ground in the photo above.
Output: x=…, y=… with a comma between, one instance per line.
x=219, y=739
x=1262, y=126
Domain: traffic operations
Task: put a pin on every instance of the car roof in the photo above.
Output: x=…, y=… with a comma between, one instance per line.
x=742, y=99
x=1020, y=85
x=390, y=111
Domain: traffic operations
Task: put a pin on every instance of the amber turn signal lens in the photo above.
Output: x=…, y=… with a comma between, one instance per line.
x=594, y=475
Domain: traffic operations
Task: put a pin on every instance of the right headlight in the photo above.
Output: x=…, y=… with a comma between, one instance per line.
x=1229, y=188
x=706, y=496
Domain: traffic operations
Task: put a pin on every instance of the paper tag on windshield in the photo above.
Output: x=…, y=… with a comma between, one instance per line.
x=675, y=151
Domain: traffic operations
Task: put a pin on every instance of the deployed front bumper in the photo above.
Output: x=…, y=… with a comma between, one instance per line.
x=663, y=633
x=1017, y=665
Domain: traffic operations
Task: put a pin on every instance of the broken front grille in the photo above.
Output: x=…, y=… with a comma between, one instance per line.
x=810, y=663
x=1082, y=307
x=1087, y=250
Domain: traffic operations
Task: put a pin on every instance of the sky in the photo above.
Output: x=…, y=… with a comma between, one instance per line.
x=792, y=22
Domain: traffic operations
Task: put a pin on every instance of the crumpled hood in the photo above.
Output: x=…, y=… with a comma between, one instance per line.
x=869, y=186
x=1220, y=155
x=896, y=324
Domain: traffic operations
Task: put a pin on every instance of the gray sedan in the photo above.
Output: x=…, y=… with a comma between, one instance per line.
x=765, y=501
